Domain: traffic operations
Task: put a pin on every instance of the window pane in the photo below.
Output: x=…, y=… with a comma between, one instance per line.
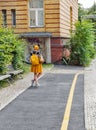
x=40, y=3
x=13, y=13
x=32, y=18
x=4, y=17
x=40, y=18
x=31, y=3
x=36, y=3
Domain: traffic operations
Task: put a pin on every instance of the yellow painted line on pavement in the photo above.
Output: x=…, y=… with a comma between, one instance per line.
x=69, y=104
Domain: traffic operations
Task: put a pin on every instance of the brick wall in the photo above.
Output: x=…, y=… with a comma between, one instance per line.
x=56, y=50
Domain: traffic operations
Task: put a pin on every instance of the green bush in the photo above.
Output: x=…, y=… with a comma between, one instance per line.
x=11, y=50
x=18, y=55
x=82, y=44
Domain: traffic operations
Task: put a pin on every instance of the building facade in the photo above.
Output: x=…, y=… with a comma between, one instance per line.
x=47, y=22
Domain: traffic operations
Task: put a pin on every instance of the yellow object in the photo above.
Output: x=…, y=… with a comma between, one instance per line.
x=36, y=68
x=69, y=103
x=34, y=59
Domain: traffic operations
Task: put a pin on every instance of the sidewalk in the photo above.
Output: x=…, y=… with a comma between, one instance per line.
x=90, y=96
x=10, y=93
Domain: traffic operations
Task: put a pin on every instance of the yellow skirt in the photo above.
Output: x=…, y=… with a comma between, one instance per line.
x=36, y=68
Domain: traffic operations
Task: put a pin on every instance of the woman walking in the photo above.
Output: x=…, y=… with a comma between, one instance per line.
x=36, y=65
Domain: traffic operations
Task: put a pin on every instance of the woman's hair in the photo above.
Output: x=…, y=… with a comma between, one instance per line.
x=36, y=47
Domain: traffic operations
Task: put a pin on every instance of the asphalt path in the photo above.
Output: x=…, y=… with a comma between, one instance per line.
x=44, y=108
x=77, y=121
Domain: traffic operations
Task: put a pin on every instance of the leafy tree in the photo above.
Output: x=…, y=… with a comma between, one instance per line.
x=82, y=44
x=92, y=10
x=81, y=12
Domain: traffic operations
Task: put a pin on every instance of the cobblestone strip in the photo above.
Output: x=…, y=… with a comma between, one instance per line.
x=90, y=96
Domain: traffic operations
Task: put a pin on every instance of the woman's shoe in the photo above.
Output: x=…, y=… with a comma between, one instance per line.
x=37, y=85
x=32, y=83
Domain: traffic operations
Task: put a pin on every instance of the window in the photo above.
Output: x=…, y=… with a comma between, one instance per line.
x=71, y=20
x=13, y=14
x=4, y=18
x=36, y=13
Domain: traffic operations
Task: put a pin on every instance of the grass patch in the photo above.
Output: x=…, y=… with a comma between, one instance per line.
x=27, y=68
x=48, y=65
x=3, y=84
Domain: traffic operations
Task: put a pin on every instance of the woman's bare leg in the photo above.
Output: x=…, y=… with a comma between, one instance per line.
x=37, y=78
x=34, y=79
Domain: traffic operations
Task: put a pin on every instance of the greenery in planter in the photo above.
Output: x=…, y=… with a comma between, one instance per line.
x=82, y=44
x=11, y=50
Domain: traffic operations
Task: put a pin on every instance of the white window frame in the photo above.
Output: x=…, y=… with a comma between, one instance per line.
x=36, y=17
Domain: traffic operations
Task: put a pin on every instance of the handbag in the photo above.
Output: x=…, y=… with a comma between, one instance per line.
x=41, y=59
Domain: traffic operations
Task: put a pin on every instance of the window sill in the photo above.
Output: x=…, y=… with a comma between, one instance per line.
x=13, y=26
x=36, y=26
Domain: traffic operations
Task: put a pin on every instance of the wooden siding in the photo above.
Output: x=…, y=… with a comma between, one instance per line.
x=21, y=14
x=65, y=21
x=56, y=16
x=52, y=19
